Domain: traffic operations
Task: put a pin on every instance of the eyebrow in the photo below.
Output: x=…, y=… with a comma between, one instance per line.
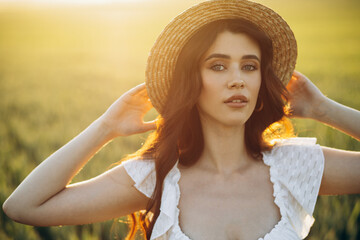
x=219, y=55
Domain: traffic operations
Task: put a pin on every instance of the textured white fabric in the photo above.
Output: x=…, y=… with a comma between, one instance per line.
x=296, y=168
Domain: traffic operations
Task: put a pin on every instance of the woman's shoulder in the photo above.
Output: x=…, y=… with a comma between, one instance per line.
x=298, y=148
x=142, y=172
x=296, y=169
x=294, y=155
x=139, y=163
x=297, y=141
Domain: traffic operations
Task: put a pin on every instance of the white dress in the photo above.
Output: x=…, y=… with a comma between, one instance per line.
x=296, y=169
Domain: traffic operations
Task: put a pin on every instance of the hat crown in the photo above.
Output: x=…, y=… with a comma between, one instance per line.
x=164, y=53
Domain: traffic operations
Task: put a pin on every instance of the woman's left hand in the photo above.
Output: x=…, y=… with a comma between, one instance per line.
x=341, y=171
x=304, y=97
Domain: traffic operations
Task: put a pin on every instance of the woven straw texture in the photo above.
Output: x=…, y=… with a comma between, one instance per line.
x=163, y=56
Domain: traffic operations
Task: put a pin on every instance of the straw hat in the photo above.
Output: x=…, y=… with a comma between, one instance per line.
x=163, y=56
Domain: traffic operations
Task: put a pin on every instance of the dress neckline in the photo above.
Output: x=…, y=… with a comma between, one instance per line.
x=277, y=202
x=296, y=169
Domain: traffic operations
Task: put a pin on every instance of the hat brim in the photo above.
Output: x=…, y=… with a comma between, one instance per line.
x=164, y=53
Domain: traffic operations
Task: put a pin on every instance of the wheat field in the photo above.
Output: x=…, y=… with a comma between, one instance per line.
x=61, y=66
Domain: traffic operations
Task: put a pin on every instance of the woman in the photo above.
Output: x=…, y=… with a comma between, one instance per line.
x=217, y=76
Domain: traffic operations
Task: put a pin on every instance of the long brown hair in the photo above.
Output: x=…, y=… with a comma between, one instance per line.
x=179, y=136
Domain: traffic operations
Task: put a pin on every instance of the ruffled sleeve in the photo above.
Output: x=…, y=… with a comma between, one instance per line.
x=166, y=223
x=296, y=169
x=143, y=174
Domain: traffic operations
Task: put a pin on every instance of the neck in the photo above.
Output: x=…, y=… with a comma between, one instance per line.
x=224, y=148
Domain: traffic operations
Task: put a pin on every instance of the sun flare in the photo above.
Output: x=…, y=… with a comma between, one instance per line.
x=72, y=2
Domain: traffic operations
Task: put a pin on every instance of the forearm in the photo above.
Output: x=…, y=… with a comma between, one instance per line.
x=341, y=117
x=54, y=173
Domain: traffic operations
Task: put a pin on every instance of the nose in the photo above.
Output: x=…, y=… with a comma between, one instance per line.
x=236, y=81
x=239, y=84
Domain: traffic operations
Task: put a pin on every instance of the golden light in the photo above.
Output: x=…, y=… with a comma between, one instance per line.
x=67, y=2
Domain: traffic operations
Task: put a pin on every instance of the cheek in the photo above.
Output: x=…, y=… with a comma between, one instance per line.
x=253, y=88
x=206, y=84
x=254, y=85
x=207, y=93
x=209, y=90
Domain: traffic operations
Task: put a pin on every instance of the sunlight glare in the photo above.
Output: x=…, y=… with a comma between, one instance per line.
x=74, y=2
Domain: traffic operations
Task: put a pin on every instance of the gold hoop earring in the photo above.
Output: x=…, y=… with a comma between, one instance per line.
x=258, y=109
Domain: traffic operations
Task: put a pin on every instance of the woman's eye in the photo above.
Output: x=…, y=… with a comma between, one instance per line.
x=218, y=67
x=249, y=67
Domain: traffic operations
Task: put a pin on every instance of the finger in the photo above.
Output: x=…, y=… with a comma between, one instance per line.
x=147, y=106
x=137, y=89
x=141, y=91
x=297, y=74
x=294, y=80
x=291, y=82
x=144, y=93
x=149, y=103
x=148, y=126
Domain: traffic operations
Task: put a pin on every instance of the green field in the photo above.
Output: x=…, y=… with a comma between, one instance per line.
x=62, y=66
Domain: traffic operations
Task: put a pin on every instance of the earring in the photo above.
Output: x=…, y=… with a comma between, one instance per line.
x=259, y=108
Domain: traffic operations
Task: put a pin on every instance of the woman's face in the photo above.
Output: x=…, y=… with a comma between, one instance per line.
x=231, y=79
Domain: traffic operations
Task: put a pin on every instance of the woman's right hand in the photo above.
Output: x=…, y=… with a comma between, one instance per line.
x=125, y=116
x=45, y=197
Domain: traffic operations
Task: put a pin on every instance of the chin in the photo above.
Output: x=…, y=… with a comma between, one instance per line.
x=224, y=119
x=236, y=123
x=231, y=122
x=236, y=120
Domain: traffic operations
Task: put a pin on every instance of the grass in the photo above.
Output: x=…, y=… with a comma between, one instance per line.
x=61, y=67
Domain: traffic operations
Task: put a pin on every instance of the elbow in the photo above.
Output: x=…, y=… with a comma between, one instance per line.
x=13, y=211
x=19, y=213
x=10, y=210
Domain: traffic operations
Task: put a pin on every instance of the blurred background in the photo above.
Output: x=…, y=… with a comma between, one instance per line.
x=62, y=63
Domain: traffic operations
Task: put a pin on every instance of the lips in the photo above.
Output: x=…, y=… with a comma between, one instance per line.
x=237, y=99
